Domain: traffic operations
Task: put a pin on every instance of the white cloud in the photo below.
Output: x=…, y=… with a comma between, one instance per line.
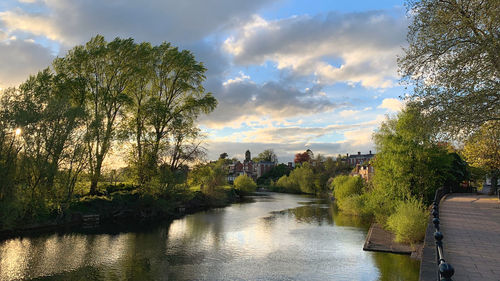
x=34, y=24
x=61, y=24
x=301, y=134
x=348, y=113
x=237, y=79
x=360, y=137
x=75, y=21
x=19, y=59
x=391, y=104
x=355, y=48
x=3, y=35
x=365, y=46
x=245, y=102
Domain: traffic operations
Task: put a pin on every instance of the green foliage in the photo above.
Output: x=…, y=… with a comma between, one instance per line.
x=267, y=155
x=245, y=183
x=349, y=196
x=408, y=162
x=167, y=97
x=314, y=177
x=409, y=221
x=92, y=65
x=409, y=167
x=57, y=128
x=208, y=176
x=482, y=150
x=287, y=184
x=354, y=204
x=299, y=180
x=111, y=188
x=345, y=186
x=378, y=205
x=453, y=60
x=274, y=174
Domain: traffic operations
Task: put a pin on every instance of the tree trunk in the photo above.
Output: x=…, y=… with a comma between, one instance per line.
x=96, y=174
x=93, y=185
x=140, y=164
x=494, y=179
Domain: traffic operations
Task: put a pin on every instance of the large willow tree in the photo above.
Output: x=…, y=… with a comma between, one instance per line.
x=105, y=71
x=167, y=97
x=140, y=92
x=41, y=119
x=453, y=60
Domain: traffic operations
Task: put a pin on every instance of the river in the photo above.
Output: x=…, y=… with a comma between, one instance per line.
x=276, y=237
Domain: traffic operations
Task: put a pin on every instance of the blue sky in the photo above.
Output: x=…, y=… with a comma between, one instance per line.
x=289, y=75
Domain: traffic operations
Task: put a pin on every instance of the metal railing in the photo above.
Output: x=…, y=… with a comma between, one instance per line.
x=445, y=270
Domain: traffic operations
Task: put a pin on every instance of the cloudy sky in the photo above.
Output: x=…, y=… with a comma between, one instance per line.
x=288, y=74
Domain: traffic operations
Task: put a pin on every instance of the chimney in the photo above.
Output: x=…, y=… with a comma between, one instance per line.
x=359, y=152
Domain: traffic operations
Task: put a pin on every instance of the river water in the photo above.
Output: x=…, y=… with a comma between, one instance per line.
x=276, y=237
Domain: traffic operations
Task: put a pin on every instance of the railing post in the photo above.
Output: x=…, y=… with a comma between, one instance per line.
x=435, y=221
x=445, y=270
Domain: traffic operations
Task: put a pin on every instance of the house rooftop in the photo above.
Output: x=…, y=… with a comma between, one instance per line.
x=361, y=155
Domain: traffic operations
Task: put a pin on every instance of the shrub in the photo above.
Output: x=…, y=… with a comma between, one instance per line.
x=344, y=186
x=409, y=221
x=354, y=205
x=379, y=204
x=245, y=183
x=286, y=184
x=299, y=180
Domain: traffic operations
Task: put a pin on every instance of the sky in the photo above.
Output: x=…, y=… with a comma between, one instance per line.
x=289, y=75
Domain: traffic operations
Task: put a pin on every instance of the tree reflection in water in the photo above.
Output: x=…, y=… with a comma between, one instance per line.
x=277, y=237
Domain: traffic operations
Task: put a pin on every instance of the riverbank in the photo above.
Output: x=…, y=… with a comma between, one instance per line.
x=276, y=237
x=381, y=240
x=124, y=208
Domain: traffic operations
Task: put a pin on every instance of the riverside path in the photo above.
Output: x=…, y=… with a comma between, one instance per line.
x=470, y=224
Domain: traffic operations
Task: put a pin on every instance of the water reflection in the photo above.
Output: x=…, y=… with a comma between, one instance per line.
x=278, y=237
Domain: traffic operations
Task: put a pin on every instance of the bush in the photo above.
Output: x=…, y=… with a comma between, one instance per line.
x=409, y=221
x=344, y=186
x=354, y=205
x=286, y=184
x=245, y=184
x=379, y=205
x=299, y=180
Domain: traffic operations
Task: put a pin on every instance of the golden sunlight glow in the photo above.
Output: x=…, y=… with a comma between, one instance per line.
x=18, y=131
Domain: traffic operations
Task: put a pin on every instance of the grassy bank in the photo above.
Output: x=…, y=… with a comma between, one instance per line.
x=124, y=204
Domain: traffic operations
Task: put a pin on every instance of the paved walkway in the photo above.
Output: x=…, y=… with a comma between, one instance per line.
x=471, y=227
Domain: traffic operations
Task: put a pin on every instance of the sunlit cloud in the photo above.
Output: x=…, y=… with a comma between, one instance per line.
x=33, y=23
x=242, y=101
x=240, y=78
x=391, y=104
x=363, y=45
x=348, y=113
x=275, y=78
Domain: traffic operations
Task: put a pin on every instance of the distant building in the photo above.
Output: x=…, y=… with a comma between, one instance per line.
x=310, y=153
x=359, y=158
x=234, y=170
x=263, y=167
x=248, y=167
x=364, y=171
